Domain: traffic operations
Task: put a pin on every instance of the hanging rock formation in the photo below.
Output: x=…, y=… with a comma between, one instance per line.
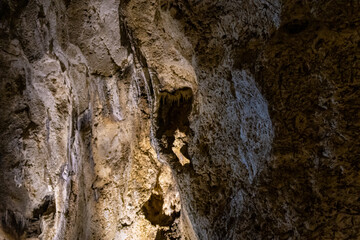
x=179, y=119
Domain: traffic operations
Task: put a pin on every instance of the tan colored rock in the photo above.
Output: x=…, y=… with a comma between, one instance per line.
x=153, y=119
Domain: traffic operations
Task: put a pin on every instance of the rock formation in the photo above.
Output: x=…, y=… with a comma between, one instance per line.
x=179, y=119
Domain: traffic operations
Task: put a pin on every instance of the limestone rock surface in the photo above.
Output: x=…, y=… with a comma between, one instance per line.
x=179, y=119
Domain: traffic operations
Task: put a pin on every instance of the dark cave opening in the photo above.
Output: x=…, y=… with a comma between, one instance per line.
x=173, y=114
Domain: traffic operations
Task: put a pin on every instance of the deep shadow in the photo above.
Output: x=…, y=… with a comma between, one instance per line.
x=153, y=211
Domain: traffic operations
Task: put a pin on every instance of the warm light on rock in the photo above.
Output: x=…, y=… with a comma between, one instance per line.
x=179, y=119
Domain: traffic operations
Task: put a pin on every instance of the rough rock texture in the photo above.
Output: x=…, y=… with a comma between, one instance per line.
x=179, y=119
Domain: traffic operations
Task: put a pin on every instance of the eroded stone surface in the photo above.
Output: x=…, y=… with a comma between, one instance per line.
x=152, y=119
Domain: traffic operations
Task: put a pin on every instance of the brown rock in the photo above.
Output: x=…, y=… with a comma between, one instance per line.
x=145, y=119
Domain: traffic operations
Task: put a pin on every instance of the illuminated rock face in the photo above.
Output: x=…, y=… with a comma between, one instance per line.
x=145, y=119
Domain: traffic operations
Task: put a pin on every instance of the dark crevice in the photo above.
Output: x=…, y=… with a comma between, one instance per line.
x=47, y=207
x=67, y=3
x=295, y=26
x=13, y=223
x=153, y=211
x=21, y=84
x=83, y=121
x=185, y=151
x=33, y=228
x=11, y=11
x=28, y=131
x=173, y=114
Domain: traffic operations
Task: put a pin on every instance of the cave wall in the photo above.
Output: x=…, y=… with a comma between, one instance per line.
x=179, y=119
